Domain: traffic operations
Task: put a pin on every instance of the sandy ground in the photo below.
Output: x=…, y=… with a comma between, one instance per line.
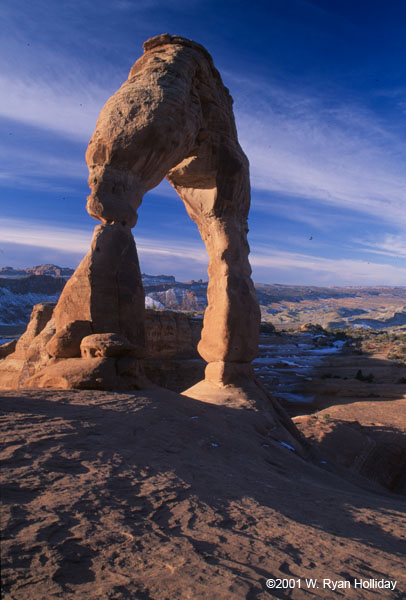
x=155, y=496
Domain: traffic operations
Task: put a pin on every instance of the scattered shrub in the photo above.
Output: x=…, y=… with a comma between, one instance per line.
x=361, y=377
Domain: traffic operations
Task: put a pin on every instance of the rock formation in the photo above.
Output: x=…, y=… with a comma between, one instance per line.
x=171, y=356
x=172, y=118
x=7, y=348
x=30, y=354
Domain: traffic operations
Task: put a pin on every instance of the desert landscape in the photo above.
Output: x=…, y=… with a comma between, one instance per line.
x=152, y=494
x=220, y=439
x=156, y=495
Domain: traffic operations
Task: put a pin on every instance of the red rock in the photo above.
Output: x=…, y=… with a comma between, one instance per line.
x=171, y=335
x=172, y=118
x=106, y=288
x=40, y=316
x=30, y=354
x=7, y=348
x=66, y=342
x=77, y=373
x=108, y=345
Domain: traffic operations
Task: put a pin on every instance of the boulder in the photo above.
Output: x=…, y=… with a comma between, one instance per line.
x=312, y=328
x=99, y=373
x=108, y=345
x=172, y=339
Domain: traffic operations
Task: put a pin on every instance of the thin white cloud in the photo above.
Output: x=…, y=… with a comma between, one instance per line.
x=189, y=259
x=326, y=271
x=69, y=105
x=77, y=241
x=44, y=235
x=24, y=167
x=307, y=145
x=300, y=143
x=390, y=245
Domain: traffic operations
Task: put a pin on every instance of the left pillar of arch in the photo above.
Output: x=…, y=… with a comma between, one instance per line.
x=104, y=295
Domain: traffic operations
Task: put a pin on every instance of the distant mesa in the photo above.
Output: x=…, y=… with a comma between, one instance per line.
x=285, y=306
x=51, y=270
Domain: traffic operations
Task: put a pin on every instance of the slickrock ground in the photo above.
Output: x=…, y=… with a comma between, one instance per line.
x=158, y=496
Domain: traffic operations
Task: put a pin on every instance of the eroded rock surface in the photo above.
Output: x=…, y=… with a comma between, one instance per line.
x=367, y=437
x=7, y=348
x=171, y=335
x=172, y=359
x=30, y=354
x=108, y=345
x=105, y=289
x=172, y=118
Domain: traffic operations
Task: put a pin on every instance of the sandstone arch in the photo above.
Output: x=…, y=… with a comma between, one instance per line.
x=172, y=118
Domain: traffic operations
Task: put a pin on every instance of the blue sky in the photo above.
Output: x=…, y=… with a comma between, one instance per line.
x=319, y=90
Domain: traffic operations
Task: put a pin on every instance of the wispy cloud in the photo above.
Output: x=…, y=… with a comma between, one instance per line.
x=295, y=267
x=45, y=235
x=69, y=105
x=24, y=243
x=301, y=143
x=189, y=259
x=77, y=241
x=328, y=155
x=390, y=245
x=27, y=169
x=308, y=145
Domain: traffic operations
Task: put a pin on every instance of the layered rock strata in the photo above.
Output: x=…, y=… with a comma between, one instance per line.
x=106, y=360
x=172, y=118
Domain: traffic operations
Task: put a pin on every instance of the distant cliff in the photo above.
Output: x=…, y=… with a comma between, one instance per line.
x=52, y=270
x=285, y=306
x=46, y=285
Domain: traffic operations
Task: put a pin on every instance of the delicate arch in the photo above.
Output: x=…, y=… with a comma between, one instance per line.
x=172, y=118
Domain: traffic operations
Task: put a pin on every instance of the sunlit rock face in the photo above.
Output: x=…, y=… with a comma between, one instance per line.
x=172, y=118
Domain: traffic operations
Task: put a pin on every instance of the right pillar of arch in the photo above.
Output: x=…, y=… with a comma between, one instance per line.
x=229, y=340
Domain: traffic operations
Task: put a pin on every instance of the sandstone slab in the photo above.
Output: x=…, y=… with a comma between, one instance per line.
x=77, y=373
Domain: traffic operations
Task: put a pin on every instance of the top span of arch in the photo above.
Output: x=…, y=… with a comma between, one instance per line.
x=172, y=117
x=167, y=38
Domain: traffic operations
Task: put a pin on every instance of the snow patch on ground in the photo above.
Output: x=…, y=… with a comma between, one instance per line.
x=152, y=303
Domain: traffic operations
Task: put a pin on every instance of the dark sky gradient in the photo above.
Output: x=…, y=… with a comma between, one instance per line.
x=320, y=103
